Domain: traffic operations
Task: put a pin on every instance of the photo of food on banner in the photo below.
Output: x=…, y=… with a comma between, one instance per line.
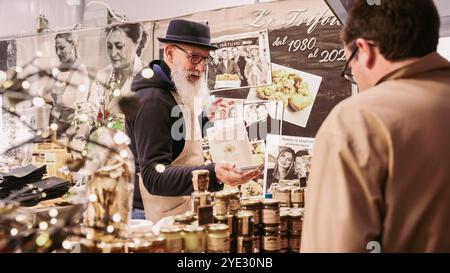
x=287, y=162
x=297, y=90
x=242, y=60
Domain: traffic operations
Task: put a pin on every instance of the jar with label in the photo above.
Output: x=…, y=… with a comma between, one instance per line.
x=174, y=238
x=218, y=238
x=284, y=242
x=284, y=219
x=283, y=195
x=271, y=241
x=245, y=244
x=229, y=220
x=158, y=244
x=253, y=206
x=200, y=199
x=295, y=220
x=138, y=244
x=298, y=197
x=245, y=223
x=200, y=180
x=295, y=241
x=221, y=202
x=194, y=239
x=234, y=200
x=184, y=219
x=271, y=212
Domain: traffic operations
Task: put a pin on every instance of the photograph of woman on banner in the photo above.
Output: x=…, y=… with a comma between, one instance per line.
x=124, y=45
x=70, y=92
x=283, y=170
x=255, y=70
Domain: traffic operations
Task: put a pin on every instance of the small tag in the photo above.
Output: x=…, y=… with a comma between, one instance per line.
x=205, y=215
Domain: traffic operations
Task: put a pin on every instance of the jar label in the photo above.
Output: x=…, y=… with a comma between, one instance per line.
x=271, y=243
x=270, y=216
x=297, y=197
x=297, y=225
x=174, y=245
x=218, y=244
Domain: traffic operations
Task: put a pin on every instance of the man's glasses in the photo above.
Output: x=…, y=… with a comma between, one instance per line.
x=196, y=59
x=346, y=71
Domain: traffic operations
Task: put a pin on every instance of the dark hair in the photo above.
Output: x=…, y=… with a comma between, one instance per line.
x=301, y=153
x=134, y=31
x=290, y=170
x=68, y=36
x=401, y=29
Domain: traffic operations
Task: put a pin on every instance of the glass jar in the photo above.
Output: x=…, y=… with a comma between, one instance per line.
x=245, y=244
x=200, y=199
x=218, y=238
x=271, y=212
x=138, y=245
x=234, y=200
x=194, y=239
x=295, y=241
x=184, y=219
x=200, y=180
x=284, y=220
x=174, y=239
x=253, y=206
x=245, y=223
x=229, y=220
x=257, y=243
x=221, y=202
x=284, y=242
x=295, y=220
x=271, y=241
x=158, y=244
x=283, y=195
x=298, y=197
x=113, y=246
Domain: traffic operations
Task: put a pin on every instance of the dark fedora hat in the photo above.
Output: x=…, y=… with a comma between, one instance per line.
x=189, y=33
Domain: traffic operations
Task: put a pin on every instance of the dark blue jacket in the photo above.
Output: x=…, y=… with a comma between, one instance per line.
x=149, y=129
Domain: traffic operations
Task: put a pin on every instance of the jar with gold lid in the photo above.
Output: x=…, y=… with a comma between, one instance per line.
x=138, y=244
x=284, y=242
x=229, y=220
x=298, y=197
x=113, y=246
x=283, y=195
x=245, y=244
x=221, y=202
x=253, y=206
x=200, y=180
x=295, y=220
x=174, y=238
x=245, y=223
x=183, y=219
x=200, y=199
x=158, y=244
x=271, y=241
x=284, y=219
x=271, y=212
x=234, y=199
x=295, y=241
x=194, y=239
x=218, y=238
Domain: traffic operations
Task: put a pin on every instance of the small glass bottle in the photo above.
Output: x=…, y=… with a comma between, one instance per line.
x=200, y=180
x=200, y=199
x=218, y=238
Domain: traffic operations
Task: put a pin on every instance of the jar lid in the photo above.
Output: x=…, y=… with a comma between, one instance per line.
x=217, y=227
x=138, y=242
x=222, y=217
x=249, y=202
x=295, y=213
x=285, y=189
x=192, y=228
x=222, y=194
x=284, y=212
x=200, y=193
x=272, y=228
x=245, y=214
x=170, y=229
x=270, y=202
x=296, y=189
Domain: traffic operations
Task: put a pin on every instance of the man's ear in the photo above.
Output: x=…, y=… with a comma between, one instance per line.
x=168, y=53
x=367, y=53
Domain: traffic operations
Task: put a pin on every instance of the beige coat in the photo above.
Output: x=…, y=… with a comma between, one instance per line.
x=381, y=167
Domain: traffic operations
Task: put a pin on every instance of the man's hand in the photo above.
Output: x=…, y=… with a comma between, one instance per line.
x=219, y=109
x=227, y=174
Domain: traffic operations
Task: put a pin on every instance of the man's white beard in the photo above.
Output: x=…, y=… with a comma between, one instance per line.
x=190, y=92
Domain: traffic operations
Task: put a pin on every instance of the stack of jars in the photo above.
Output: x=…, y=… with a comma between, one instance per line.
x=200, y=197
x=226, y=207
x=290, y=196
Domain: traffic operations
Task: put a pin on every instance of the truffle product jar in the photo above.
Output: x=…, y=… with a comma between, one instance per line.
x=200, y=180
x=234, y=200
x=245, y=223
x=270, y=212
x=229, y=220
x=253, y=206
x=194, y=239
x=200, y=199
x=283, y=195
x=245, y=244
x=218, y=238
x=295, y=220
x=298, y=197
x=174, y=239
x=295, y=241
x=271, y=241
x=221, y=202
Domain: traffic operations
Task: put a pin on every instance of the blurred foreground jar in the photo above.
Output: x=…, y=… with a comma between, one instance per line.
x=109, y=191
x=218, y=238
x=194, y=239
x=174, y=239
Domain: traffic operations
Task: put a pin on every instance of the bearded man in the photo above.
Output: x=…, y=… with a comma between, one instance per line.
x=165, y=131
